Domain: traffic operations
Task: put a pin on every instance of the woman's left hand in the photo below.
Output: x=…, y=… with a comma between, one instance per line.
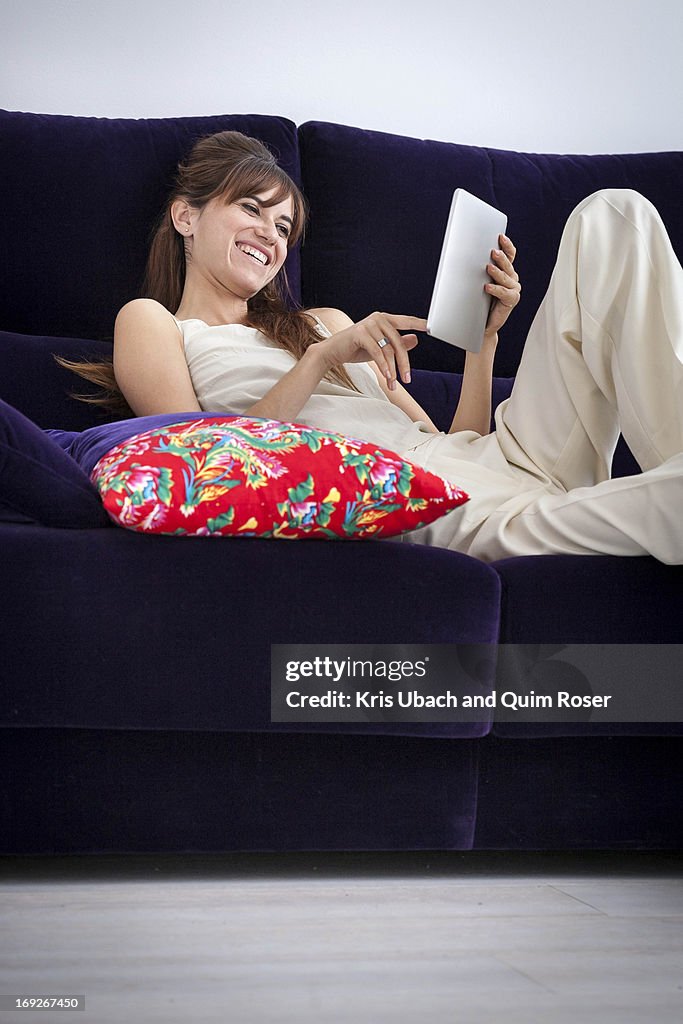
x=504, y=288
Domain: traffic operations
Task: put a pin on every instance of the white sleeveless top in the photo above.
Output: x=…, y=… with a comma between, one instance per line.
x=233, y=366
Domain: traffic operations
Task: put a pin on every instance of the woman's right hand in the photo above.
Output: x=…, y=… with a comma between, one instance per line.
x=361, y=343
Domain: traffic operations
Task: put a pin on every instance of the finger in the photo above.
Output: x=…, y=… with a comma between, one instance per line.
x=507, y=246
x=389, y=342
x=386, y=326
x=504, y=262
x=400, y=346
x=408, y=342
x=383, y=355
x=406, y=323
x=507, y=296
x=500, y=276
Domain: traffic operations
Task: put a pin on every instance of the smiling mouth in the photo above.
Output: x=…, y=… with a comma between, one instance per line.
x=255, y=254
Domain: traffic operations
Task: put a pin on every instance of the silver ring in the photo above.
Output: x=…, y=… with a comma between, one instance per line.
x=382, y=342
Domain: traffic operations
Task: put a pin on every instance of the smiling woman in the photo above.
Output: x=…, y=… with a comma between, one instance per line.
x=218, y=257
x=215, y=334
x=233, y=249
x=229, y=196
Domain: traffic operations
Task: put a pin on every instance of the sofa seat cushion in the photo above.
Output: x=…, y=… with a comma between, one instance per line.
x=83, y=195
x=574, y=599
x=151, y=633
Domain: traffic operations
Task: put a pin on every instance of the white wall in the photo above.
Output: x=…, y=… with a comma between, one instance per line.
x=581, y=76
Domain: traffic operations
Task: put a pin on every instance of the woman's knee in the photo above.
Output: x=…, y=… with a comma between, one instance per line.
x=624, y=201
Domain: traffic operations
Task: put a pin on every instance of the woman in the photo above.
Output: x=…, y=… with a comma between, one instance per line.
x=603, y=354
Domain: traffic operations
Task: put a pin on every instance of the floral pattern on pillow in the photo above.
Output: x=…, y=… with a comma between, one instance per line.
x=247, y=477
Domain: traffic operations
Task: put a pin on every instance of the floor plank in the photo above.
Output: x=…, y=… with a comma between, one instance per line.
x=429, y=937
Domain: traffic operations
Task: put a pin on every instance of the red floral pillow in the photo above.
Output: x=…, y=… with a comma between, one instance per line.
x=236, y=476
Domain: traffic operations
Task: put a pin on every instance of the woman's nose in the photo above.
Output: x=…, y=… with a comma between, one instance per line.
x=267, y=231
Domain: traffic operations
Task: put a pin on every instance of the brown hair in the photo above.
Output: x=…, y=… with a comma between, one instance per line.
x=229, y=165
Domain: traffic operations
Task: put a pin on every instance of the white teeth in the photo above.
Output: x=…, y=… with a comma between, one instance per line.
x=256, y=253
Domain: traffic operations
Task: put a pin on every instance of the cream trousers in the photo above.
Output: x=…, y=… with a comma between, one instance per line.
x=604, y=355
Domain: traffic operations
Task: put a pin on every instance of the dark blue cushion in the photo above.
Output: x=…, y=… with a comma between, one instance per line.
x=39, y=482
x=32, y=382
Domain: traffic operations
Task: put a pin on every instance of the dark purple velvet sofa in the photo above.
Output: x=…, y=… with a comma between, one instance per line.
x=135, y=671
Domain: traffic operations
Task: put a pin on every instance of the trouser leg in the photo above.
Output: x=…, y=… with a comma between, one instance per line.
x=635, y=515
x=605, y=351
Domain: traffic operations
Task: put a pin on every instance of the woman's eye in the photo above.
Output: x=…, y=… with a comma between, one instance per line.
x=250, y=208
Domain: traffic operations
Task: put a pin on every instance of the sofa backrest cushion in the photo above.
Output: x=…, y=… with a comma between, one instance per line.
x=35, y=384
x=82, y=196
x=379, y=205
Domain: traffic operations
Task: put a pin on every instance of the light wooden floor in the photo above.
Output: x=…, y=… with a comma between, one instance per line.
x=359, y=937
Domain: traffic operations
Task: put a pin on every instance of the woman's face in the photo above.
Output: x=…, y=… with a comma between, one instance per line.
x=242, y=245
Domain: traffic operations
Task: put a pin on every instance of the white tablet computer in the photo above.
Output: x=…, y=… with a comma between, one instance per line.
x=460, y=306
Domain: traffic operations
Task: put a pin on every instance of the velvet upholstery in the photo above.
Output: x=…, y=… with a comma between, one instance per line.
x=101, y=791
x=31, y=380
x=39, y=482
x=140, y=720
x=590, y=605
x=601, y=600
x=157, y=632
x=579, y=793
